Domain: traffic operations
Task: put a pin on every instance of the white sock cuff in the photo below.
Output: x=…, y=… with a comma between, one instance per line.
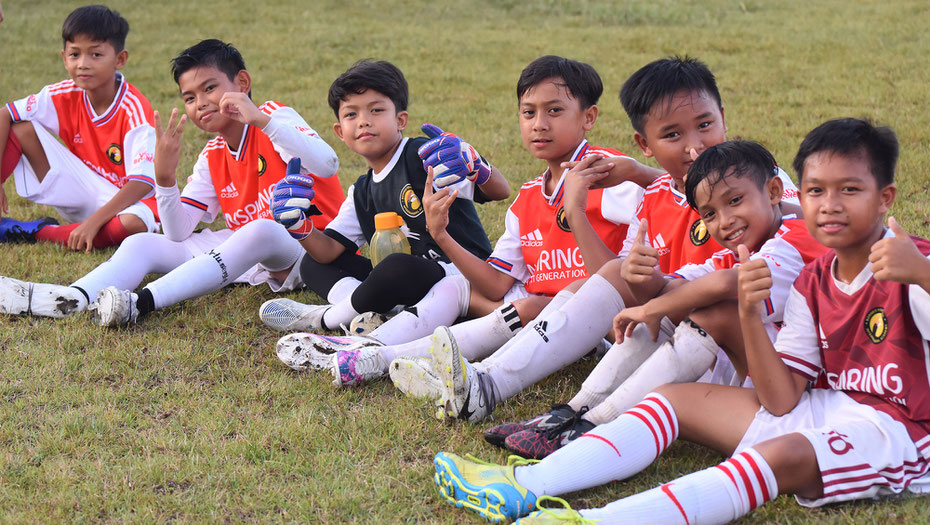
x=603, y=284
x=688, y=330
x=342, y=289
x=463, y=286
x=752, y=477
x=658, y=414
x=667, y=327
x=509, y=317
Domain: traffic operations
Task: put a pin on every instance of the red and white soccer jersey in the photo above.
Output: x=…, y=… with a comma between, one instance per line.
x=676, y=230
x=786, y=253
x=118, y=145
x=537, y=247
x=239, y=183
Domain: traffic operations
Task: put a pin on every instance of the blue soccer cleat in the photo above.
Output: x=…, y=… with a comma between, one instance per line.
x=484, y=488
x=12, y=230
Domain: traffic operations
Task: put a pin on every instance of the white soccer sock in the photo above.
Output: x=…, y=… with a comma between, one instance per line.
x=340, y=313
x=718, y=494
x=137, y=256
x=445, y=302
x=342, y=290
x=683, y=359
x=614, y=451
x=261, y=241
x=556, y=339
x=621, y=360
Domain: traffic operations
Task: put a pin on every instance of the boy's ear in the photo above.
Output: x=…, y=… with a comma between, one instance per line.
x=776, y=189
x=590, y=117
x=887, y=195
x=337, y=129
x=640, y=140
x=402, y=118
x=243, y=81
x=723, y=120
x=121, y=59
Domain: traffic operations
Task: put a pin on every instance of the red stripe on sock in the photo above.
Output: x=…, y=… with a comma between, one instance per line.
x=655, y=436
x=602, y=439
x=655, y=415
x=111, y=234
x=758, y=473
x=673, y=422
x=746, y=481
x=668, y=492
x=12, y=152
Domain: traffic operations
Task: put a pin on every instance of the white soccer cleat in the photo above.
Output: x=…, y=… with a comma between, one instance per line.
x=114, y=307
x=354, y=367
x=364, y=323
x=416, y=377
x=39, y=299
x=303, y=351
x=466, y=393
x=287, y=315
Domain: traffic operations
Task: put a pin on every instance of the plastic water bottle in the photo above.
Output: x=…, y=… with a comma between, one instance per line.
x=388, y=237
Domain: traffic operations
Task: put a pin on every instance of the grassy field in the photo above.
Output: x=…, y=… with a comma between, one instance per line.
x=190, y=417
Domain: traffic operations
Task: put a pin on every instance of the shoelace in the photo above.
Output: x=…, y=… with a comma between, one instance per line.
x=487, y=388
x=554, y=432
x=512, y=461
x=573, y=515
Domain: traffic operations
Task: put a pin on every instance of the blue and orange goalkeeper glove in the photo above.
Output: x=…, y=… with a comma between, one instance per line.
x=292, y=201
x=451, y=158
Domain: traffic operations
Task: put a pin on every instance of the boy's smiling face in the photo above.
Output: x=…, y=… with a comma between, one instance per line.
x=842, y=203
x=371, y=126
x=552, y=123
x=737, y=211
x=202, y=88
x=688, y=120
x=92, y=63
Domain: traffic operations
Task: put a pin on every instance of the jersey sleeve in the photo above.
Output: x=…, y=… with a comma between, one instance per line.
x=345, y=227
x=631, y=231
x=920, y=308
x=139, y=145
x=36, y=108
x=619, y=203
x=785, y=264
x=790, y=191
x=797, y=342
x=293, y=137
x=507, y=256
x=692, y=271
x=198, y=199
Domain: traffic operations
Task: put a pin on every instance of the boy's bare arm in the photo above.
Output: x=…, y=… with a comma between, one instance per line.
x=487, y=281
x=778, y=388
x=496, y=188
x=621, y=169
x=323, y=248
x=898, y=259
x=6, y=121
x=578, y=181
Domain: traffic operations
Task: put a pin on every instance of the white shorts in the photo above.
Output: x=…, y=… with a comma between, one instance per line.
x=203, y=241
x=861, y=452
x=70, y=186
x=517, y=291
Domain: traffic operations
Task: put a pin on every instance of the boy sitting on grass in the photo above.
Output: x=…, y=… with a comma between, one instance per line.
x=234, y=174
x=839, y=409
x=97, y=178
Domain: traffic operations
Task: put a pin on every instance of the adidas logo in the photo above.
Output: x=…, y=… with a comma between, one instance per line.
x=229, y=191
x=540, y=328
x=658, y=242
x=78, y=139
x=534, y=238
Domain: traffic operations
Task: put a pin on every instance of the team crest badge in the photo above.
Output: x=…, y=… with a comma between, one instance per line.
x=561, y=220
x=409, y=202
x=699, y=233
x=115, y=154
x=261, y=165
x=876, y=325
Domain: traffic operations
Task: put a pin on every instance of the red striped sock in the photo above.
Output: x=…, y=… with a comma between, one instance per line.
x=752, y=478
x=111, y=234
x=11, y=154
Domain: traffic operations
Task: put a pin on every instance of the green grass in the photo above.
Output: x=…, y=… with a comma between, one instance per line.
x=190, y=417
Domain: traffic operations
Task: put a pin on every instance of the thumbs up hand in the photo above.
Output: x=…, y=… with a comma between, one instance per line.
x=639, y=265
x=754, y=281
x=898, y=259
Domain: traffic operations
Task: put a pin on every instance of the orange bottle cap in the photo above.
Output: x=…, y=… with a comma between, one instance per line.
x=388, y=220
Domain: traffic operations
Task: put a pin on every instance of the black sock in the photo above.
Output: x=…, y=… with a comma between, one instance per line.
x=145, y=304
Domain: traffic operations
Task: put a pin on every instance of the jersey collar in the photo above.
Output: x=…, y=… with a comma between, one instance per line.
x=381, y=175
x=243, y=144
x=556, y=198
x=114, y=106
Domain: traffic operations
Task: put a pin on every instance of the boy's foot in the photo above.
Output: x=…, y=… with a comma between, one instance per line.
x=487, y=489
x=45, y=300
x=287, y=315
x=114, y=307
x=304, y=351
x=416, y=377
x=352, y=367
x=466, y=393
x=558, y=415
x=12, y=230
x=546, y=515
x=538, y=443
x=364, y=323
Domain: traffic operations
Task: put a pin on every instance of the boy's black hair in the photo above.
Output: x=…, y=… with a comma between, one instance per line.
x=853, y=137
x=581, y=79
x=735, y=158
x=658, y=81
x=381, y=76
x=209, y=53
x=98, y=22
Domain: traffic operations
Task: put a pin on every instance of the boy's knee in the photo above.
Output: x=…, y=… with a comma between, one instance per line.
x=138, y=243
x=263, y=229
x=794, y=463
x=718, y=319
x=610, y=269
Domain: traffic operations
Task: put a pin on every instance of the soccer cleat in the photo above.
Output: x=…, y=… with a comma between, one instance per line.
x=484, y=488
x=416, y=377
x=538, y=443
x=287, y=315
x=546, y=515
x=39, y=299
x=353, y=367
x=559, y=414
x=364, y=323
x=466, y=393
x=303, y=351
x=114, y=307
x=12, y=230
